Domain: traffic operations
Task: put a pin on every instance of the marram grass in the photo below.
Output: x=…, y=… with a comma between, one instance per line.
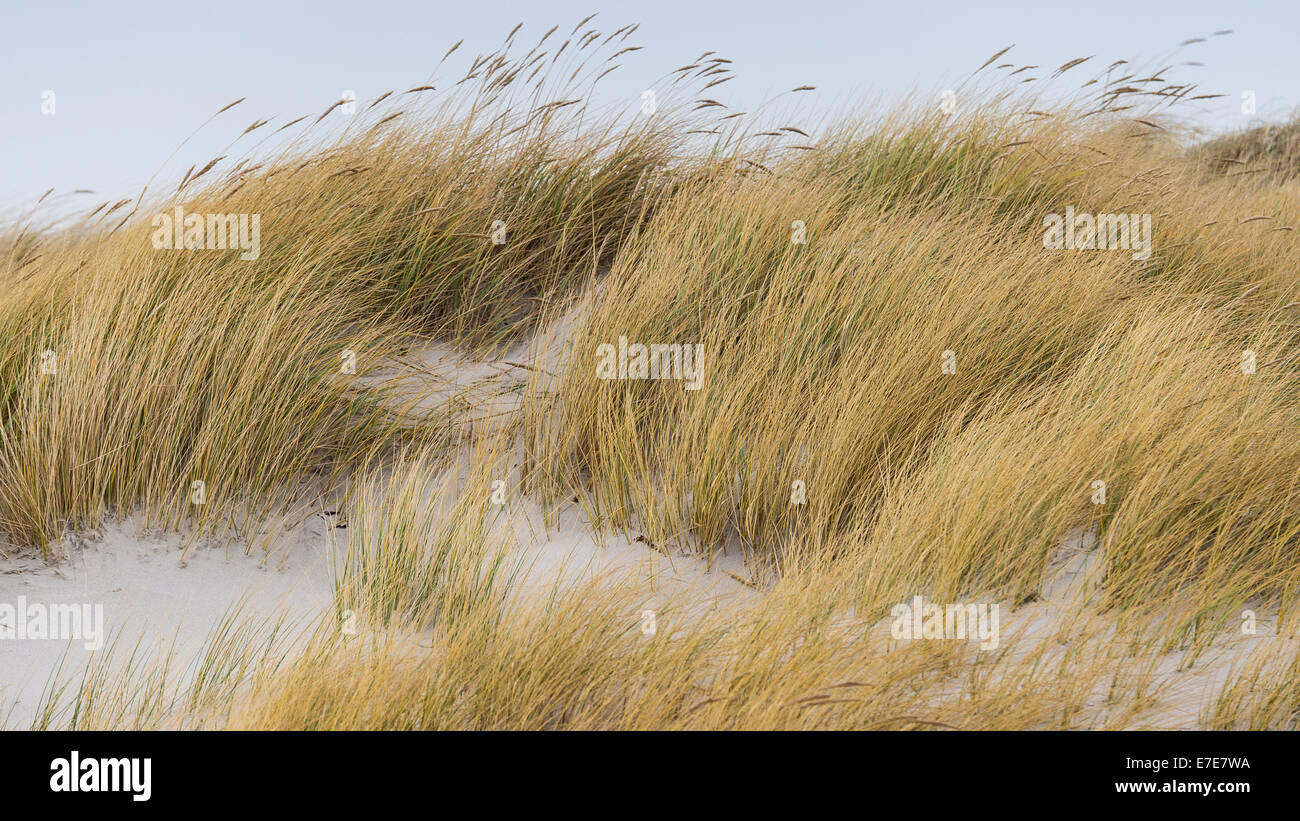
x=904, y=393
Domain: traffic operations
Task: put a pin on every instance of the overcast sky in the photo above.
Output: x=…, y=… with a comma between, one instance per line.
x=132, y=79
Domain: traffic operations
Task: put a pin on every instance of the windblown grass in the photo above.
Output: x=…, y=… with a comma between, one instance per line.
x=177, y=366
x=829, y=279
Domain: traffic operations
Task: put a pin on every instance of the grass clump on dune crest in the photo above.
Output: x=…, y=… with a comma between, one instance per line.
x=135, y=371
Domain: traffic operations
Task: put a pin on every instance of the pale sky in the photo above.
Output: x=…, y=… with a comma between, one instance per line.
x=133, y=78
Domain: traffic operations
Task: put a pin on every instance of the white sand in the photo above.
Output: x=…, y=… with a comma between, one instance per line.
x=152, y=592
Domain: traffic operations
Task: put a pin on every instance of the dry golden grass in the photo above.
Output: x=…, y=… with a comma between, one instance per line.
x=823, y=366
